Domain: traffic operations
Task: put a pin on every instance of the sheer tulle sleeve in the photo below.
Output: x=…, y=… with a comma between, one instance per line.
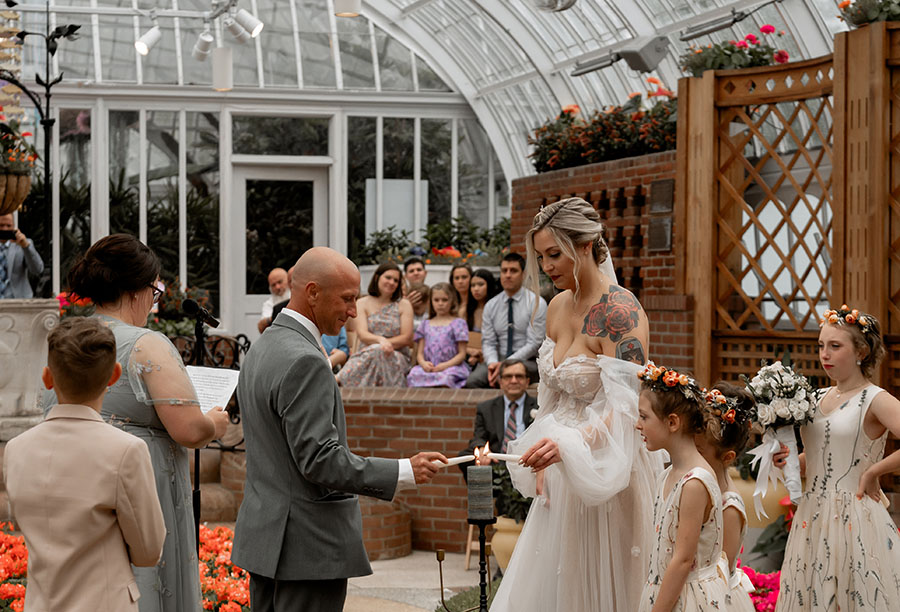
x=157, y=374
x=592, y=419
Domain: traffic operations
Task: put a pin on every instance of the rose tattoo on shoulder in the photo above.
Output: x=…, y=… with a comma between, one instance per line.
x=615, y=315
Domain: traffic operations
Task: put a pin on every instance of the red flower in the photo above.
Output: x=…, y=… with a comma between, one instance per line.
x=751, y=38
x=767, y=29
x=742, y=44
x=781, y=56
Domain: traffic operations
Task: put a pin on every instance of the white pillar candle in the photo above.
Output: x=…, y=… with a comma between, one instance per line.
x=481, y=498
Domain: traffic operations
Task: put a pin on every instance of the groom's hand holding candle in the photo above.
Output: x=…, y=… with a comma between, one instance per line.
x=425, y=466
x=542, y=455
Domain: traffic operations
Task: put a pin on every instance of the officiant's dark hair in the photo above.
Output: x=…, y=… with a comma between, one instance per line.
x=381, y=269
x=114, y=265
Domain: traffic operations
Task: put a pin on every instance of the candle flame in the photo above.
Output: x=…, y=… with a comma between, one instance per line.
x=477, y=456
x=482, y=453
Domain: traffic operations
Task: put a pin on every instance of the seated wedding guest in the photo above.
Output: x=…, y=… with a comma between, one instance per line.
x=499, y=420
x=511, y=328
x=280, y=289
x=482, y=288
x=18, y=259
x=384, y=328
x=155, y=401
x=420, y=308
x=82, y=492
x=441, y=344
x=414, y=272
x=460, y=278
x=337, y=348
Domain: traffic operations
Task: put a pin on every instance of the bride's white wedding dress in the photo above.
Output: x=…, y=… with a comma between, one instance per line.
x=585, y=545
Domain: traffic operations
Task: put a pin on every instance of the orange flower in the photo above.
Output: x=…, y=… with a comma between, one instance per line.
x=573, y=109
x=844, y=4
x=654, y=81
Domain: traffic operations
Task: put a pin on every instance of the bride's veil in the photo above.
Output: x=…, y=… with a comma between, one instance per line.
x=608, y=269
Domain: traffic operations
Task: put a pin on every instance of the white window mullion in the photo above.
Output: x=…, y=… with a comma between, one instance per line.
x=379, y=173
x=139, y=67
x=95, y=40
x=182, y=199
x=296, y=24
x=54, y=200
x=142, y=174
x=257, y=42
x=417, y=178
x=415, y=70
x=454, y=168
x=335, y=47
x=99, y=171
x=492, y=196
x=179, y=56
x=374, y=47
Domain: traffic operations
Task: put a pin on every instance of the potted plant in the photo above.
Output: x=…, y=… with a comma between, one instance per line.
x=748, y=52
x=512, y=509
x=16, y=163
x=864, y=12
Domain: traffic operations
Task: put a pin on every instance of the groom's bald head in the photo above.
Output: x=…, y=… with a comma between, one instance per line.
x=325, y=285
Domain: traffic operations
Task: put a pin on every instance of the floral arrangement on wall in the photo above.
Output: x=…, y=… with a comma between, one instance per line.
x=748, y=52
x=862, y=12
x=644, y=124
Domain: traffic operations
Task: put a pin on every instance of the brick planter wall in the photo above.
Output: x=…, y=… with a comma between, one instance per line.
x=387, y=528
x=630, y=194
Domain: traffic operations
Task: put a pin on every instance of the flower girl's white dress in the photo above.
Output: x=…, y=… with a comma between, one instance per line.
x=739, y=585
x=706, y=587
x=585, y=544
x=843, y=553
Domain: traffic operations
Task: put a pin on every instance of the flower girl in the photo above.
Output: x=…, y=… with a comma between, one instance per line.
x=729, y=411
x=684, y=562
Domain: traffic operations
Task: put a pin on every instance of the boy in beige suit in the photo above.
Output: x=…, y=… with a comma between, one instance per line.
x=82, y=491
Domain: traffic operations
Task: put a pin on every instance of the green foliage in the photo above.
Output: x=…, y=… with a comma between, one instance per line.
x=862, y=12
x=468, y=599
x=507, y=499
x=773, y=540
x=382, y=244
x=169, y=318
x=746, y=53
x=617, y=132
x=459, y=233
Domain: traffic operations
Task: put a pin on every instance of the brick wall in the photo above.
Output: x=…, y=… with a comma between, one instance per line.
x=631, y=195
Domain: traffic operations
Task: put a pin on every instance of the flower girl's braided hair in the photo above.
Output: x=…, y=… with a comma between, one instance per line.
x=729, y=410
x=865, y=330
x=571, y=222
x=674, y=393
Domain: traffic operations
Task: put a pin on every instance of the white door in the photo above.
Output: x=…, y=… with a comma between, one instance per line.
x=277, y=214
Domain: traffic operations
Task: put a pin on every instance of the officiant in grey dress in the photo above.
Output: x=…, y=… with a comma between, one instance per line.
x=299, y=529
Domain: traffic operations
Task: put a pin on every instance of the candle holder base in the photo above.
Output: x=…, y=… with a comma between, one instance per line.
x=484, y=567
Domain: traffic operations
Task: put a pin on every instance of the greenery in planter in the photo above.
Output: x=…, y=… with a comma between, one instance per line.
x=169, y=318
x=450, y=241
x=507, y=499
x=862, y=12
x=746, y=53
x=18, y=156
x=627, y=130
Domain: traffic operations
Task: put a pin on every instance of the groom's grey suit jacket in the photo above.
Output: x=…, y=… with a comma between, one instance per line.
x=300, y=519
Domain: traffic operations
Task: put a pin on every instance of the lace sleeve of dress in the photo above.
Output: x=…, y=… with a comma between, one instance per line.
x=157, y=373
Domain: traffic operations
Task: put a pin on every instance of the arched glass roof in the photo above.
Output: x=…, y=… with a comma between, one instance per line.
x=511, y=62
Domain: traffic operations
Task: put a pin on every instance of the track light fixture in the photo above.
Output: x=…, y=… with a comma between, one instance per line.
x=347, y=8
x=249, y=22
x=203, y=45
x=149, y=38
x=237, y=30
x=642, y=54
x=223, y=76
x=720, y=23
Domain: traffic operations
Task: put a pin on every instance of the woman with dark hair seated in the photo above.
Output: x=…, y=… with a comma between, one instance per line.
x=384, y=327
x=482, y=287
x=153, y=400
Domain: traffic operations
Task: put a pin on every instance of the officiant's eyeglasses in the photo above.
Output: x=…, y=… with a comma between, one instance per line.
x=157, y=292
x=512, y=376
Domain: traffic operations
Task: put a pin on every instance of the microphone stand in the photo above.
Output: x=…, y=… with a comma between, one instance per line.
x=197, y=358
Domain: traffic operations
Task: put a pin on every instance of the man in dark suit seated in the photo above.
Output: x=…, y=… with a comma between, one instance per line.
x=504, y=418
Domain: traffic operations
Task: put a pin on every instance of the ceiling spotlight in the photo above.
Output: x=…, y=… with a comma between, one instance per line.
x=347, y=8
x=237, y=30
x=146, y=42
x=249, y=22
x=203, y=46
x=223, y=76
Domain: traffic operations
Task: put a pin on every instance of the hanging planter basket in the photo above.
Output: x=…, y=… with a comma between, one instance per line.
x=14, y=189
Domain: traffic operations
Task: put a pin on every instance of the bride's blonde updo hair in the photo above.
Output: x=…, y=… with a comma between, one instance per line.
x=572, y=222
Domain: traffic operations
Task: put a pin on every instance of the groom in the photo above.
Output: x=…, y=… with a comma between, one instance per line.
x=299, y=530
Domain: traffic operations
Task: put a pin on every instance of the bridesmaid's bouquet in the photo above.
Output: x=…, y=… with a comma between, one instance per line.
x=783, y=400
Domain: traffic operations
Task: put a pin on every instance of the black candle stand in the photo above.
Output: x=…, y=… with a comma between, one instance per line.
x=484, y=552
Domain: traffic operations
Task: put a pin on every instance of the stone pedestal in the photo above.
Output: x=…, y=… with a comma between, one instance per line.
x=24, y=326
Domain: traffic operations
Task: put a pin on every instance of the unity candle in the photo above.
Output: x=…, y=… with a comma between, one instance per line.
x=481, y=498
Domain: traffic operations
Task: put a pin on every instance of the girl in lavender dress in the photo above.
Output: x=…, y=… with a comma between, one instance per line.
x=441, y=343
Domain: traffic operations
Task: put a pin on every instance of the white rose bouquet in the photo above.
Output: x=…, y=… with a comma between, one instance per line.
x=783, y=400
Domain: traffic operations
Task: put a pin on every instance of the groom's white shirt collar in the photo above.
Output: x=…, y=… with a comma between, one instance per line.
x=305, y=322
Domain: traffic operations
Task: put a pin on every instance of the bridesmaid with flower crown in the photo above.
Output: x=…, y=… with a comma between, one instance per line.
x=843, y=552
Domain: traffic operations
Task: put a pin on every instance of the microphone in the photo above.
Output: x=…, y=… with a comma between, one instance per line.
x=193, y=309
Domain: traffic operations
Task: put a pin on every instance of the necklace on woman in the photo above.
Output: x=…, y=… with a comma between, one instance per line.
x=838, y=393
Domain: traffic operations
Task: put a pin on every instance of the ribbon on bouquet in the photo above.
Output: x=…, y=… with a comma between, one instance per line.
x=762, y=455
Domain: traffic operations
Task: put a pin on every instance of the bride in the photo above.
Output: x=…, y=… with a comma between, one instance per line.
x=585, y=545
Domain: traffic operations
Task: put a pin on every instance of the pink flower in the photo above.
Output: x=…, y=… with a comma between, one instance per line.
x=742, y=44
x=767, y=29
x=752, y=39
x=781, y=56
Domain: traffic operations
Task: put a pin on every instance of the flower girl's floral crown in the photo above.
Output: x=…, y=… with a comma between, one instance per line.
x=728, y=409
x=659, y=379
x=846, y=316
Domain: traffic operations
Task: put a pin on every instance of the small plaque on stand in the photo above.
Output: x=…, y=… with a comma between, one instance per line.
x=660, y=234
x=662, y=196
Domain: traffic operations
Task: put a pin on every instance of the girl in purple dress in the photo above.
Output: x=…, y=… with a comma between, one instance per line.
x=441, y=343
